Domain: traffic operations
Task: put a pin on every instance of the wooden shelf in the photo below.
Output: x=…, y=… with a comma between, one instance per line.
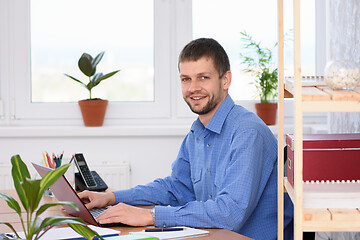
x=327, y=219
x=324, y=99
x=331, y=220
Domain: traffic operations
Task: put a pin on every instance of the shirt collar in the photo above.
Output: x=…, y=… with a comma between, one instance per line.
x=217, y=121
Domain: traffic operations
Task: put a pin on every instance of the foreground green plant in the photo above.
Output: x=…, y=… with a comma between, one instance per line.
x=258, y=61
x=30, y=192
x=87, y=65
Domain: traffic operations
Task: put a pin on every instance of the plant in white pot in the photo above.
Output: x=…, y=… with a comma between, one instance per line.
x=258, y=62
x=92, y=109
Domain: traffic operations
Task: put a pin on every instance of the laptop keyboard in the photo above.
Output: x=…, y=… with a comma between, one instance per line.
x=96, y=211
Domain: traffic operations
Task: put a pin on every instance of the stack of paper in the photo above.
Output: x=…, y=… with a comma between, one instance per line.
x=187, y=232
x=331, y=194
x=69, y=233
x=132, y=237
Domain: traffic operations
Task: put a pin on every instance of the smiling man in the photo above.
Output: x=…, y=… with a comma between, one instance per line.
x=225, y=174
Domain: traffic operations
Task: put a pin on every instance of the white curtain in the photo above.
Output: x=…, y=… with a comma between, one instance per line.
x=344, y=44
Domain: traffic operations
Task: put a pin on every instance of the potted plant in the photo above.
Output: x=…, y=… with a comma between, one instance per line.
x=258, y=62
x=30, y=192
x=92, y=109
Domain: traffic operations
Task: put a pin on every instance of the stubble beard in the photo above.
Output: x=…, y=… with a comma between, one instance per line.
x=210, y=105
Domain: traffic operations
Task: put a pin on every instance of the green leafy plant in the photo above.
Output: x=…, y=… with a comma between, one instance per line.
x=30, y=192
x=87, y=65
x=258, y=61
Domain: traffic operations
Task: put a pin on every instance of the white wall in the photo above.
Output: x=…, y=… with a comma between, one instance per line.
x=149, y=150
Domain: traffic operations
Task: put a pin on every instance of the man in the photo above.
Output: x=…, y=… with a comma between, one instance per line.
x=225, y=175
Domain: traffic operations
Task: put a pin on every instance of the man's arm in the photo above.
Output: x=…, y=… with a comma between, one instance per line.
x=246, y=177
x=174, y=190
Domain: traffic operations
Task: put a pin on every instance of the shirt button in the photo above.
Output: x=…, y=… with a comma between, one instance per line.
x=210, y=196
x=208, y=170
x=208, y=145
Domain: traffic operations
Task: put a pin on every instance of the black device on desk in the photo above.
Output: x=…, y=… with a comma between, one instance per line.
x=86, y=179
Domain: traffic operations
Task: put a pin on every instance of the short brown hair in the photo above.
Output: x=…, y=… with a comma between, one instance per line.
x=206, y=47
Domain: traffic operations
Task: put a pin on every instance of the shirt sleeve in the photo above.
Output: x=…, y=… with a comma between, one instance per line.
x=173, y=190
x=237, y=196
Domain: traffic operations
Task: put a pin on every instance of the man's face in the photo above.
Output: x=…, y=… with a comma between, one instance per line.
x=202, y=88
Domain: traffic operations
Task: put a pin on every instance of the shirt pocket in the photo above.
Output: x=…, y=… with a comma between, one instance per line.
x=218, y=181
x=196, y=176
x=197, y=181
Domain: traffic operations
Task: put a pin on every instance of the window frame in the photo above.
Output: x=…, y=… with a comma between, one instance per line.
x=21, y=94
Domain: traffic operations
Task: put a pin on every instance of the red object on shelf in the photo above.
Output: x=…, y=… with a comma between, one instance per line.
x=326, y=157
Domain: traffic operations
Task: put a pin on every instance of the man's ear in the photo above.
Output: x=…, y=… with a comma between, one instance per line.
x=226, y=80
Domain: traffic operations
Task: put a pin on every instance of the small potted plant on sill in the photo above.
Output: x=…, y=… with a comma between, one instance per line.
x=258, y=62
x=30, y=192
x=92, y=109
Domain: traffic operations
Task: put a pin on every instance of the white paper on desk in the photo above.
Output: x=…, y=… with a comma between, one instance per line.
x=69, y=233
x=188, y=232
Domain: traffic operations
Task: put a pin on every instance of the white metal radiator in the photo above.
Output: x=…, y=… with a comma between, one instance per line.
x=116, y=176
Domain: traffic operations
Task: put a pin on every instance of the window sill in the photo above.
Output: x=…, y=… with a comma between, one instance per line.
x=104, y=131
x=120, y=131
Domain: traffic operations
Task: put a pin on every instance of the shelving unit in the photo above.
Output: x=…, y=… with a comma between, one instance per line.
x=308, y=99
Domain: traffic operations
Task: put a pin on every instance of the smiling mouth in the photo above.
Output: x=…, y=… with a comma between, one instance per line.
x=197, y=98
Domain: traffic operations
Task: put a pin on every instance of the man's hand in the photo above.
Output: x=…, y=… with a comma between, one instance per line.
x=126, y=214
x=97, y=199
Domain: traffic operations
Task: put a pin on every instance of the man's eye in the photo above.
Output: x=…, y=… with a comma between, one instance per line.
x=185, y=79
x=204, y=77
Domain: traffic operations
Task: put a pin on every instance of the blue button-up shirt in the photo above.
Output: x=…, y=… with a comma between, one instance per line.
x=225, y=176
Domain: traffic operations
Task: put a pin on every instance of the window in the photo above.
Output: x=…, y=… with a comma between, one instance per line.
x=91, y=26
x=38, y=46
x=223, y=20
x=36, y=99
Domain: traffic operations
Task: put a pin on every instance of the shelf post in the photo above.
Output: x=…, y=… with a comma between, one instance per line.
x=298, y=161
x=280, y=120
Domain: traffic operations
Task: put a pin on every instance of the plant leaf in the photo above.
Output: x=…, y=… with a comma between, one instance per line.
x=97, y=59
x=51, y=177
x=32, y=188
x=59, y=220
x=84, y=230
x=95, y=80
x=75, y=223
x=19, y=171
x=85, y=65
x=75, y=79
x=12, y=228
x=48, y=205
x=11, y=202
x=105, y=77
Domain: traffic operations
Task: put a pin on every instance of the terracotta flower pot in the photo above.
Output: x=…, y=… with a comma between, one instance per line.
x=93, y=111
x=267, y=112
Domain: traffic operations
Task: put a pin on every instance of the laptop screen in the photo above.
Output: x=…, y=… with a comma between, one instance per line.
x=64, y=192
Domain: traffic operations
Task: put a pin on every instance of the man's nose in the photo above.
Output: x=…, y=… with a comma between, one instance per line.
x=194, y=86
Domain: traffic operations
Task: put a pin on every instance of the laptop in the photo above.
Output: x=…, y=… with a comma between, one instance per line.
x=64, y=192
